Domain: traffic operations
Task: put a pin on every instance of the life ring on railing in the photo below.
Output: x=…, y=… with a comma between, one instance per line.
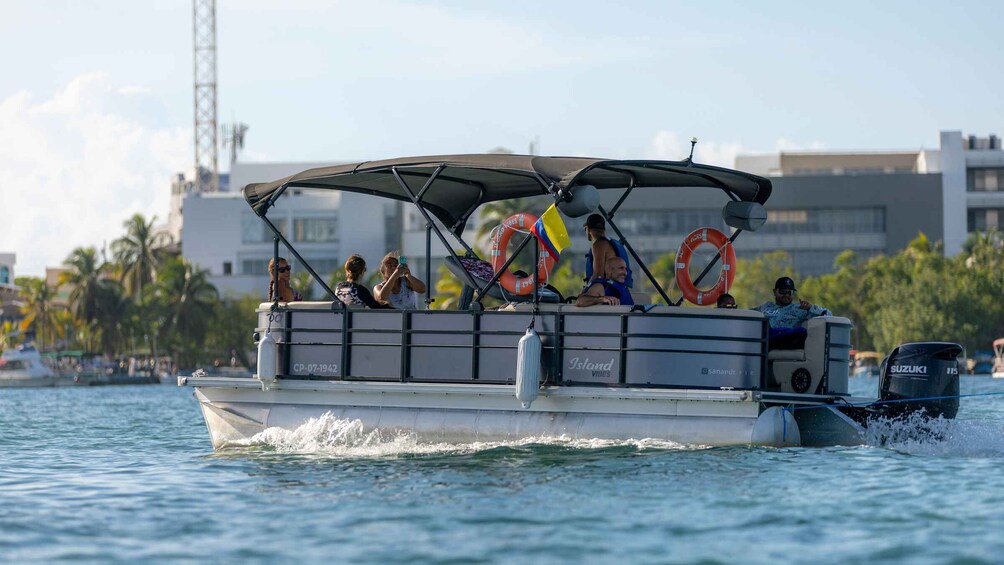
x=697, y=237
x=521, y=221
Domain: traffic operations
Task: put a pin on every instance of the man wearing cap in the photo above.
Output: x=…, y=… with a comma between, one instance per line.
x=602, y=250
x=784, y=315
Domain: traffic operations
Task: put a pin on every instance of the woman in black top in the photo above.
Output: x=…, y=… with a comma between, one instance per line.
x=351, y=292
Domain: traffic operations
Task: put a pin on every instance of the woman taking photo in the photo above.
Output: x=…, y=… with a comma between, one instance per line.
x=399, y=288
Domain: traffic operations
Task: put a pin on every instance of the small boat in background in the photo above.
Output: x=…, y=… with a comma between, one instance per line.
x=867, y=364
x=998, y=358
x=23, y=366
x=982, y=363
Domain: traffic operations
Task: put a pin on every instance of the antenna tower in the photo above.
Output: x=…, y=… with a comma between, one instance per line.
x=204, y=53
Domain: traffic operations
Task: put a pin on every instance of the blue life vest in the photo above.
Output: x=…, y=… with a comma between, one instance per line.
x=616, y=289
x=620, y=252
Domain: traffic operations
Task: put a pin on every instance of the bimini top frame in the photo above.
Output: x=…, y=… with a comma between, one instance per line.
x=465, y=182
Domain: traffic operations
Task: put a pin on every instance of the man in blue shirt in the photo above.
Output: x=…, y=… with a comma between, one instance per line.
x=784, y=315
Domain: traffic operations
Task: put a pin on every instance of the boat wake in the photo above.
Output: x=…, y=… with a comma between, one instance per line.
x=919, y=435
x=333, y=436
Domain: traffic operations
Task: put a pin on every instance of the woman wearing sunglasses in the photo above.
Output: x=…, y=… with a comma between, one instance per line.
x=286, y=292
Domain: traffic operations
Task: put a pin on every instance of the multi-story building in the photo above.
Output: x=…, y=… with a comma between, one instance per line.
x=220, y=232
x=8, y=292
x=876, y=202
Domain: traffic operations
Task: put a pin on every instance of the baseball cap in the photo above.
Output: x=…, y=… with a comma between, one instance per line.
x=595, y=221
x=785, y=282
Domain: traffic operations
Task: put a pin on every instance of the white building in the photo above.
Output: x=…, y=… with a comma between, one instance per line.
x=220, y=232
x=8, y=292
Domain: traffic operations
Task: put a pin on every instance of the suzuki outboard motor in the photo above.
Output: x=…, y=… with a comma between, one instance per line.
x=925, y=370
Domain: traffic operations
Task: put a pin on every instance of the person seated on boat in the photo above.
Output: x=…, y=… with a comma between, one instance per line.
x=608, y=290
x=784, y=315
x=726, y=300
x=350, y=292
x=602, y=249
x=286, y=292
x=399, y=287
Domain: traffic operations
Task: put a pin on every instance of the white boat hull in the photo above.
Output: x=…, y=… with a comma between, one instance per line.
x=237, y=409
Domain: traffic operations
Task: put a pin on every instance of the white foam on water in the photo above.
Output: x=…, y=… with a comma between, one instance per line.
x=918, y=435
x=330, y=435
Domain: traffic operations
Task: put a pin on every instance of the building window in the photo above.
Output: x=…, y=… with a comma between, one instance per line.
x=984, y=219
x=4, y=274
x=315, y=230
x=253, y=230
x=228, y=268
x=985, y=180
x=825, y=220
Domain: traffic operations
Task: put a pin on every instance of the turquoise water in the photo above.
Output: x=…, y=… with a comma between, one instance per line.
x=123, y=474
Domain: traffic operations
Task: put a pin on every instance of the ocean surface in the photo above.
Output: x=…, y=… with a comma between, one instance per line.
x=127, y=474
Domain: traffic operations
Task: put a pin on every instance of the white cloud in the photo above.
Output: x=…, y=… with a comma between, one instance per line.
x=667, y=145
x=73, y=168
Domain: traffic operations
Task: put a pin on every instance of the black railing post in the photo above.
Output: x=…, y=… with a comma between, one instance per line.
x=637, y=259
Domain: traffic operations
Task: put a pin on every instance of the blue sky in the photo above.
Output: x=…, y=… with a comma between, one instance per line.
x=96, y=97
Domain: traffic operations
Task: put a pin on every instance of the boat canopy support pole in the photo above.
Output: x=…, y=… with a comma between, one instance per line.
x=712, y=263
x=637, y=259
x=296, y=254
x=428, y=265
x=428, y=219
x=613, y=211
x=274, y=285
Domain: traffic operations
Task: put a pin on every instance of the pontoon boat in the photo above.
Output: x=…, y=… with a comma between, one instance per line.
x=699, y=376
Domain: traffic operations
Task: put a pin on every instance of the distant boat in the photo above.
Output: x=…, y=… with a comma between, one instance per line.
x=999, y=358
x=867, y=364
x=23, y=366
x=982, y=363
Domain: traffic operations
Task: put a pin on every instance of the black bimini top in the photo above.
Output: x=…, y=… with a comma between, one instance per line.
x=468, y=181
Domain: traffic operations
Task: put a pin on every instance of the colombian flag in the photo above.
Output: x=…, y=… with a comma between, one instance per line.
x=550, y=231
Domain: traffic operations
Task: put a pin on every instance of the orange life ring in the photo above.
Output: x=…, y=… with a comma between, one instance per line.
x=521, y=221
x=697, y=237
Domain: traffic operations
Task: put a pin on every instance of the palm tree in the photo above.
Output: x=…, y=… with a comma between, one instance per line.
x=494, y=213
x=8, y=334
x=189, y=298
x=85, y=274
x=38, y=308
x=139, y=253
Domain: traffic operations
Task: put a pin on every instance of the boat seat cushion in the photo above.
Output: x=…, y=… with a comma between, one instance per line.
x=786, y=355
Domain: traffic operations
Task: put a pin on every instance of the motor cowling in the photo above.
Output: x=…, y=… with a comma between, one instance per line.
x=927, y=371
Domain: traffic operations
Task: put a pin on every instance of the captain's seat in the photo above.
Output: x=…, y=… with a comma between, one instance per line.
x=821, y=367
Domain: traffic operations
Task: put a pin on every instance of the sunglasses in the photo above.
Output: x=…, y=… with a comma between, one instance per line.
x=785, y=291
x=285, y=269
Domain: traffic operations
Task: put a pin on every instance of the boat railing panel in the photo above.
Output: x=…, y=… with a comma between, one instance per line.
x=598, y=345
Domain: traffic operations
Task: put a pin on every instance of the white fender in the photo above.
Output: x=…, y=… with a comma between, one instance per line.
x=528, y=368
x=268, y=358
